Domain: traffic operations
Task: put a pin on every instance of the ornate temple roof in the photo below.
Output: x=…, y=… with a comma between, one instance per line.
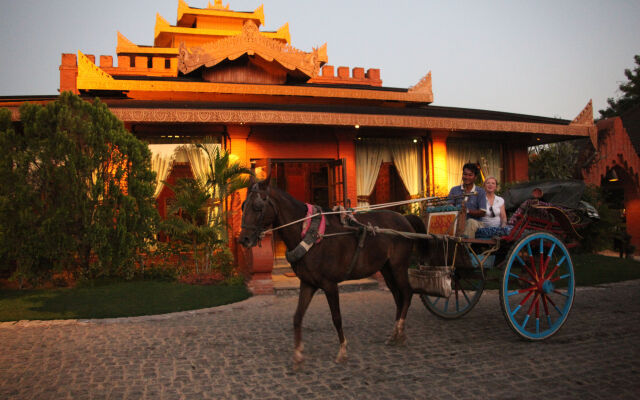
x=216, y=50
x=197, y=26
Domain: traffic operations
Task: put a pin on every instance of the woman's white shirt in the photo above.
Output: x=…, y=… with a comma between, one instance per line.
x=488, y=220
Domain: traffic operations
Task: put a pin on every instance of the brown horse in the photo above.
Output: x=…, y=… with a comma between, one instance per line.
x=335, y=258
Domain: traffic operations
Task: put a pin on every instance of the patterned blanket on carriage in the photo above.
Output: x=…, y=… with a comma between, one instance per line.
x=552, y=206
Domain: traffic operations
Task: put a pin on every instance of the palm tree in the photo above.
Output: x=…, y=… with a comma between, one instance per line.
x=188, y=221
x=224, y=177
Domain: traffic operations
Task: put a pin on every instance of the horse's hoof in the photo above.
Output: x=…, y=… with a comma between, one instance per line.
x=391, y=340
x=298, y=358
x=396, y=340
x=342, y=355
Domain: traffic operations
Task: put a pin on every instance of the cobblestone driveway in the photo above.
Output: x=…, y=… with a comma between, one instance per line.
x=244, y=351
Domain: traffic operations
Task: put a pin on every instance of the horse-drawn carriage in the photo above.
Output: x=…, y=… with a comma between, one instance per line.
x=537, y=282
x=530, y=261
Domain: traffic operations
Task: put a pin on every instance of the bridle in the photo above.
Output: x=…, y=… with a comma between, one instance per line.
x=259, y=228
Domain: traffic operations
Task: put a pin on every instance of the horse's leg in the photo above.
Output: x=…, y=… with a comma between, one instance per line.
x=331, y=291
x=387, y=274
x=401, y=278
x=306, y=294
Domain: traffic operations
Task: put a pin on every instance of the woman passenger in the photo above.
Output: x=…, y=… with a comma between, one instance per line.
x=496, y=216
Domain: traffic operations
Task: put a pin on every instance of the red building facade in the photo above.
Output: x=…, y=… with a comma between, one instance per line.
x=216, y=74
x=615, y=166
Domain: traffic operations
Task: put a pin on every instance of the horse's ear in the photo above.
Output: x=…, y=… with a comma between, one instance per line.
x=265, y=183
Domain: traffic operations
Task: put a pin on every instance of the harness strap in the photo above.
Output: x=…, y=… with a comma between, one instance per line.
x=310, y=235
x=363, y=235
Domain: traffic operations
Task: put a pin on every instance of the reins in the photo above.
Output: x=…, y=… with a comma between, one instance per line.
x=366, y=208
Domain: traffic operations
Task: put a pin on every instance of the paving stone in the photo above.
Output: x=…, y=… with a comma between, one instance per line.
x=244, y=351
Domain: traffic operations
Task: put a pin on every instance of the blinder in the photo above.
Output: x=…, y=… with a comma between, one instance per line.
x=258, y=205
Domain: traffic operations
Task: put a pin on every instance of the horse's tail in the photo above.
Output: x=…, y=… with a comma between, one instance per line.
x=422, y=245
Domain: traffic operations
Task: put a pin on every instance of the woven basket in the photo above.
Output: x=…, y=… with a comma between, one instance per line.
x=432, y=281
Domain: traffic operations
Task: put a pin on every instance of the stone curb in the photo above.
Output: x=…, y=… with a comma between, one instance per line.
x=255, y=301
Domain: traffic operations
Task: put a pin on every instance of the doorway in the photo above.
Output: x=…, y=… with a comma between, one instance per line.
x=315, y=181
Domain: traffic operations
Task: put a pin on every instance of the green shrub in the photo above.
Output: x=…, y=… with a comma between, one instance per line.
x=76, y=190
x=599, y=235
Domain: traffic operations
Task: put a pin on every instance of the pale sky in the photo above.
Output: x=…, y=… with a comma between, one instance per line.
x=542, y=57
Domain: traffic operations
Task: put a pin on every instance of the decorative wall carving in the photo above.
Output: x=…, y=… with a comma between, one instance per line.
x=424, y=86
x=586, y=115
x=586, y=118
x=250, y=41
x=335, y=119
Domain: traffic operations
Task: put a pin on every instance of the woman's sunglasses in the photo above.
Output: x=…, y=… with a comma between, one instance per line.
x=493, y=215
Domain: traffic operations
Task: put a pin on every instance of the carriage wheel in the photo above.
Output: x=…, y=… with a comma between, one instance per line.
x=537, y=287
x=467, y=285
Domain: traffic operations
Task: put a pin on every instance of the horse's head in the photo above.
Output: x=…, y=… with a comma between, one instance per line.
x=258, y=212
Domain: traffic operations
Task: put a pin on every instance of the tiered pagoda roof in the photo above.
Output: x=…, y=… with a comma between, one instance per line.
x=217, y=51
x=197, y=26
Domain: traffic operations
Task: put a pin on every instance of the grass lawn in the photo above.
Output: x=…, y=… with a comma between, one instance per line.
x=594, y=269
x=590, y=270
x=126, y=299
x=121, y=299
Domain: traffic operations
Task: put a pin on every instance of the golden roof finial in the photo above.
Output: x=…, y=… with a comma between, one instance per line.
x=217, y=4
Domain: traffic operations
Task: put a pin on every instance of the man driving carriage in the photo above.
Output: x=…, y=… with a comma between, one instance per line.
x=470, y=196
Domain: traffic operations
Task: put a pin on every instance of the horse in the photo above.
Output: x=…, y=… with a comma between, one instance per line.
x=343, y=253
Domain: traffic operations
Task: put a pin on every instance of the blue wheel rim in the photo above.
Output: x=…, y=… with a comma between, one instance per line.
x=538, y=286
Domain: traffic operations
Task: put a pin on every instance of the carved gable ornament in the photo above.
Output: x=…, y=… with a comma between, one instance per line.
x=251, y=42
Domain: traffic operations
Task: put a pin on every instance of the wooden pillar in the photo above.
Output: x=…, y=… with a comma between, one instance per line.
x=438, y=165
x=516, y=162
x=257, y=262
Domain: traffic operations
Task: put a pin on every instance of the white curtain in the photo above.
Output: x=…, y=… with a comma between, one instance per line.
x=407, y=162
x=161, y=165
x=369, y=157
x=460, y=152
x=200, y=161
x=162, y=158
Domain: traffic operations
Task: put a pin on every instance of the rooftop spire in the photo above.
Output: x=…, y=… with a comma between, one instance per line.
x=217, y=5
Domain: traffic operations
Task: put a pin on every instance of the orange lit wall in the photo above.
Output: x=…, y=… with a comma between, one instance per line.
x=291, y=143
x=439, y=163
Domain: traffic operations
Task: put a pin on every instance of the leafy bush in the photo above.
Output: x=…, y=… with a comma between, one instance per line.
x=222, y=260
x=160, y=273
x=554, y=161
x=599, y=235
x=202, y=278
x=76, y=190
x=235, y=280
x=188, y=222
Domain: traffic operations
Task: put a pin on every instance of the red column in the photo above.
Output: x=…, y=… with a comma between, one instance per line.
x=256, y=262
x=237, y=145
x=516, y=162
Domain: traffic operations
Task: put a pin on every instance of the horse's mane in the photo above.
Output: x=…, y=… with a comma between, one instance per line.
x=286, y=196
